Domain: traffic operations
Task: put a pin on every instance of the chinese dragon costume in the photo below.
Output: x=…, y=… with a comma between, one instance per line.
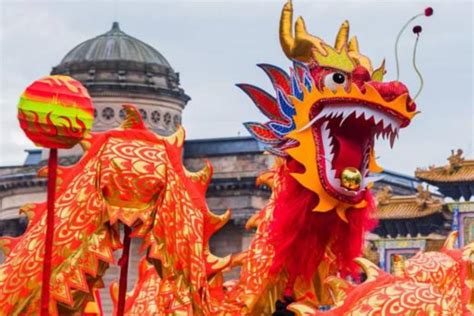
x=323, y=122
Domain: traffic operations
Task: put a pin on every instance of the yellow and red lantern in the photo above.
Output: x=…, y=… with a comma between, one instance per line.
x=55, y=112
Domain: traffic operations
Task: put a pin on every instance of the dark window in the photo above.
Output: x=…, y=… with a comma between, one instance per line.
x=144, y=114
x=108, y=113
x=155, y=117
x=167, y=118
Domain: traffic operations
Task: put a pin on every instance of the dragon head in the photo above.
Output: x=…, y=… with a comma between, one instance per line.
x=328, y=112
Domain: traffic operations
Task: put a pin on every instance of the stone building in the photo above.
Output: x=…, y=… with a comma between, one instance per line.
x=118, y=69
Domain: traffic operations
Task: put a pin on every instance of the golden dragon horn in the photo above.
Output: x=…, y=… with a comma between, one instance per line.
x=301, y=45
x=287, y=41
x=342, y=36
x=354, y=53
x=354, y=45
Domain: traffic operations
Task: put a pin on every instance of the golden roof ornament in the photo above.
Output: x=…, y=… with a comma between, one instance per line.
x=424, y=198
x=454, y=161
x=383, y=196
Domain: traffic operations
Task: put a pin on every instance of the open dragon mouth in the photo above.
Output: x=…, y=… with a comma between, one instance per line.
x=345, y=135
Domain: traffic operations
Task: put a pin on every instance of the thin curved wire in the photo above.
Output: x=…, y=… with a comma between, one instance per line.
x=422, y=82
x=397, y=62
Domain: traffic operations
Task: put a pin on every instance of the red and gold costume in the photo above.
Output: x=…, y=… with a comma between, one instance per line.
x=323, y=121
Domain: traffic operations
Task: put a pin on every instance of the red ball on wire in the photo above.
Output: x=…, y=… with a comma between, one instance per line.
x=429, y=11
x=417, y=29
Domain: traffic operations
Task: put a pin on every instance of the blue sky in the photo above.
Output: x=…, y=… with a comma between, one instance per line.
x=215, y=44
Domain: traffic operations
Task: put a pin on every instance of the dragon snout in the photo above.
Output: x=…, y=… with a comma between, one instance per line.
x=392, y=90
x=389, y=91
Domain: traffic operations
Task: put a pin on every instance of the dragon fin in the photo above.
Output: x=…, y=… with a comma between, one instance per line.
x=338, y=288
x=201, y=178
x=370, y=269
x=133, y=118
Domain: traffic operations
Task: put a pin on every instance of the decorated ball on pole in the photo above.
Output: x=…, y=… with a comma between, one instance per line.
x=55, y=112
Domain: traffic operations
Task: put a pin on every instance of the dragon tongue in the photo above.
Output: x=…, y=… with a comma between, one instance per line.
x=350, y=144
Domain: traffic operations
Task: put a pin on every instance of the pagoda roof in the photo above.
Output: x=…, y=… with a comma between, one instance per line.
x=456, y=179
x=408, y=206
x=412, y=215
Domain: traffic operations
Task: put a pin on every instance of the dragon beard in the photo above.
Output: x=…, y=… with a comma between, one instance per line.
x=303, y=238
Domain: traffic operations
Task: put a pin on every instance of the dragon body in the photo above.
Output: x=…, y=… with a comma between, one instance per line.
x=128, y=176
x=430, y=283
x=324, y=118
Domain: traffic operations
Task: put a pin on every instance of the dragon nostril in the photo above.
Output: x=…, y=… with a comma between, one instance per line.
x=411, y=105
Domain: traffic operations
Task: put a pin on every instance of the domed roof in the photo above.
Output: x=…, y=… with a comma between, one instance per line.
x=115, y=45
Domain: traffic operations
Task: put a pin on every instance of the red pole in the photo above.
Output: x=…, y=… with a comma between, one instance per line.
x=48, y=244
x=123, y=262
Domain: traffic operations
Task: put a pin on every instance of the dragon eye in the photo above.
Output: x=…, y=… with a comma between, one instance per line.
x=334, y=80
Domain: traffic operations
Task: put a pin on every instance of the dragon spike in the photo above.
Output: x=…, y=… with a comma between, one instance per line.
x=370, y=269
x=450, y=241
x=215, y=264
x=262, y=133
x=277, y=76
x=342, y=36
x=338, y=288
x=378, y=74
x=266, y=103
x=176, y=139
x=133, y=118
x=218, y=221
x=202, y=177
x=353, y=45
x=32, y=210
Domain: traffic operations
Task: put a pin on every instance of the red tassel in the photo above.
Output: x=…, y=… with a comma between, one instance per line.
x=48, y=244
x=123, y=263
